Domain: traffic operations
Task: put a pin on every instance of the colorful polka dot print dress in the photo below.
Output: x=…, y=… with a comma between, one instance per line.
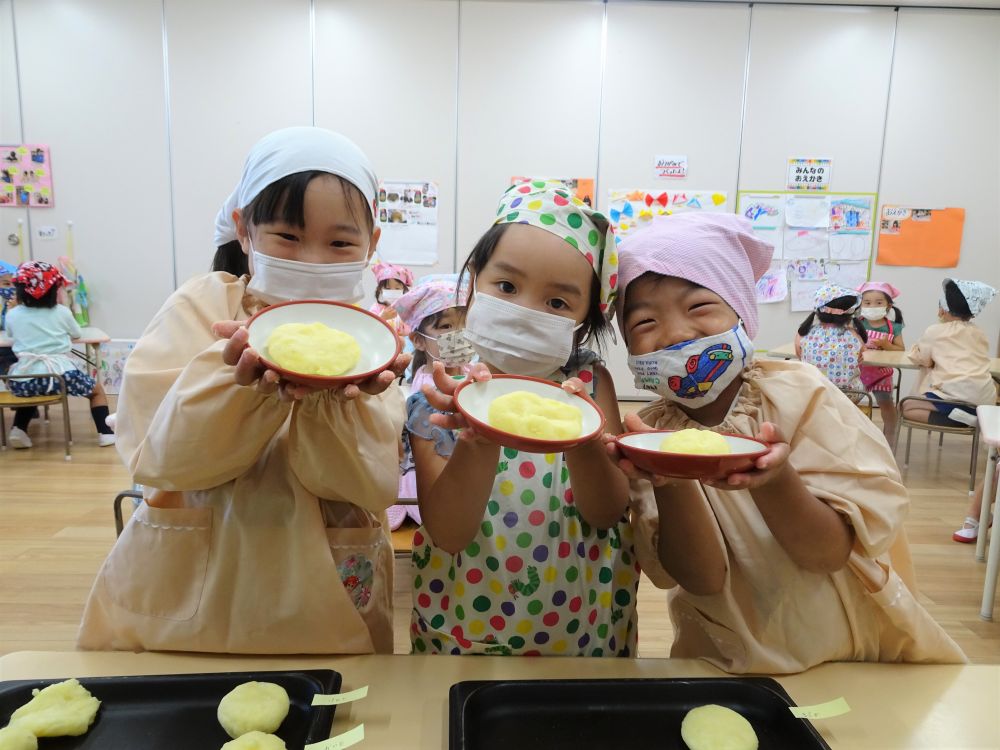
x=836, y=352
x=537, y=579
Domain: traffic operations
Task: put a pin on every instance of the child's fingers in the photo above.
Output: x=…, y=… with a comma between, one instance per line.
x=633, y=423
x=238, y=341
x=574, y=385
x=377, y=384
x=770, y=433
x=442, y=381
x=399, y=365
x=437, y=399
x=449, y=421
x=479, y=372
x=224, y=329
x=248, y=367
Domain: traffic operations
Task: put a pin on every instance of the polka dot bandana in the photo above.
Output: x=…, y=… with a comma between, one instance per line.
x=550, y=206
x=38, y=277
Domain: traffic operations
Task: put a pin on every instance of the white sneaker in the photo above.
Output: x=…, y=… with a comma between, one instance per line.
x=105, y=440
x=960, y=415
x=19, y=438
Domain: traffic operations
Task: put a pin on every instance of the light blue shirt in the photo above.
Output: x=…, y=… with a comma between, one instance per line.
x=46, y=331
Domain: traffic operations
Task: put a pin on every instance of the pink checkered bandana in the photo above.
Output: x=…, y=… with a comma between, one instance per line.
x=431, y=295
x=384, y=271
x=879, y=286
x=714, y=250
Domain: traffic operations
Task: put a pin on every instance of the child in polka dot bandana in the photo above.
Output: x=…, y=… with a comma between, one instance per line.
x=513, y=557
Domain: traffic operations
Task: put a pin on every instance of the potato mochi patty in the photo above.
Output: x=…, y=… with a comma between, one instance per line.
x=715, y=727
x=699, y=442
x=530, y=415
x=313, y=349
x=253, y=706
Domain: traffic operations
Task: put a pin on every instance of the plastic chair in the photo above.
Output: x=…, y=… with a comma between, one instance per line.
x=119, y=498
x=942, y=430
x=9, y=401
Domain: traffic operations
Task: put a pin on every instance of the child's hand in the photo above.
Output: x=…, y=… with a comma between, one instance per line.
x=442, y=398
x=388, y=313
x=633, y=423
x=766, y=468
x=249, y=370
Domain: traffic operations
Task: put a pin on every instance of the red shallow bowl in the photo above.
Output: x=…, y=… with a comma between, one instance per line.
x=643, y=450
x=379, y=343
x=473, y=399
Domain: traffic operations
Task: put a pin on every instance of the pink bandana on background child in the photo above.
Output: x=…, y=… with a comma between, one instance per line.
x=38, y=277
x=879, y=286
x=431, y=295
x=717, y=251
x=387, y=271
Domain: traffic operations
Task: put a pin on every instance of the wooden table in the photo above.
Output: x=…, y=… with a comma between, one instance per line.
x=91, y=339
x=893, y=706
x=989, y=430
x=879, y=358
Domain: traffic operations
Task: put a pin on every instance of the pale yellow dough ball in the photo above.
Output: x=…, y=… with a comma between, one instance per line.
x=17, y=738
x=255, y=741
x=699, y=442
x=253, y=707
x=313, y=349
x=66, y=709
x=715, y=727
x=530, y=415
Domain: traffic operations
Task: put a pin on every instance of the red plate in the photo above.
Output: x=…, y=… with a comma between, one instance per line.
x=473, y=400
x=379, y=343
x=643, y=450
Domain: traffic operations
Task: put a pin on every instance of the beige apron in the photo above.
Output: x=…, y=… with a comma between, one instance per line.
x=228, y=575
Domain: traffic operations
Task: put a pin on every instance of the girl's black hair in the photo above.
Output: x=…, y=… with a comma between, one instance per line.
x=49, y=299
x=284, y=200
x=841, y=303
x=231, y=259
x=595, y=326
x=957, y=304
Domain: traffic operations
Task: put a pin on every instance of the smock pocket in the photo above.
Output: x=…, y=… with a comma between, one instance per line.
x=363, y=557
x=159, y=564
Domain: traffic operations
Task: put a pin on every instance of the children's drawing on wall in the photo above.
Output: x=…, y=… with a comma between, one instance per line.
x=408, y=214
x=773, y=285
x=851, y=215
x=112, y=369
x=25, y=176
x=630, y=210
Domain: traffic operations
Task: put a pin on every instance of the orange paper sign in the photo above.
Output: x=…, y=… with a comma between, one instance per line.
x=928, y=237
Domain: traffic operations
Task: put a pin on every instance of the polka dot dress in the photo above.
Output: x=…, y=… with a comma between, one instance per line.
x=836, y=352
x=537, y=579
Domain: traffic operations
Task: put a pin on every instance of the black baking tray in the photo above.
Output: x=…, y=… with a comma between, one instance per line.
x=169, y=712
x=637, y=714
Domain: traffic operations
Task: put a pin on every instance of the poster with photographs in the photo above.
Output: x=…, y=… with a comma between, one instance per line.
x=408, y=215
x=25, y=176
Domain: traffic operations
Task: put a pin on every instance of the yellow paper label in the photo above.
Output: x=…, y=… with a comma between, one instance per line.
x=351, y=737
x=822, y=710
x=336, y=700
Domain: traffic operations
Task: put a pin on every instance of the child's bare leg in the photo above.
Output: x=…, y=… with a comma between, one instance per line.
x=917, y=411
x=887, y=409
x=98, y=397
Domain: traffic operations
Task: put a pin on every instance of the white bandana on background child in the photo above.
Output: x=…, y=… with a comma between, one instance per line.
x=720, y=253
x=280, y=154
x=977, y=295
x=521, y=341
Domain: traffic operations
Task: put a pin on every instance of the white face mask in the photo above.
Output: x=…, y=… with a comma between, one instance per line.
x=517, y=340
x=279, y=280
x=391, y=295
x=873, y=313
x=454, y=349
x=694, y=372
